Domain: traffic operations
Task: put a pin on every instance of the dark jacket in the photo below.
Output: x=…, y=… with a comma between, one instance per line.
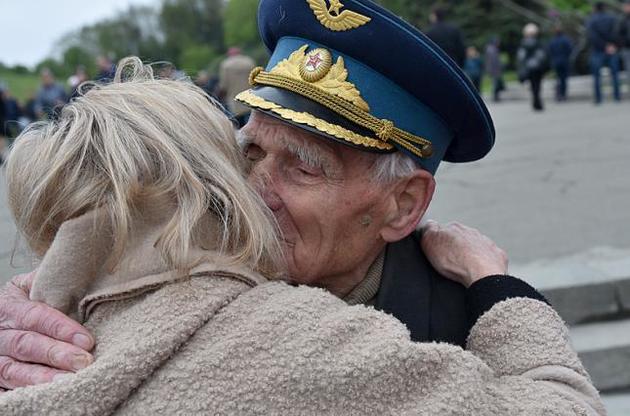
x=433, y=307
x=450, y=39
x=623, y=32
x=600, y=30
x=532, y=59
x=560, y=48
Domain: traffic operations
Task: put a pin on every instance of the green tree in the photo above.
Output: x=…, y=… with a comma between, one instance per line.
x=185, y=23
x=196, y=58
x=135, y=31
x=75, y=56
x=240, y=24
x=57, y=68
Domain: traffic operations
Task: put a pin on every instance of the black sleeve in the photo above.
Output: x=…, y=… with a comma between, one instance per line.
x=482, y=295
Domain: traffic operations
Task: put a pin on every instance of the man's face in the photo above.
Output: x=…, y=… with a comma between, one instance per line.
x=47, y=78
x=329, y=210
x=626, y=8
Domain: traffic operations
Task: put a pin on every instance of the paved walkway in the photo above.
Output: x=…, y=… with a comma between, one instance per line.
x=556, y=183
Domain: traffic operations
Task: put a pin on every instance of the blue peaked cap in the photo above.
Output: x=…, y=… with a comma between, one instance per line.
x=415, y=93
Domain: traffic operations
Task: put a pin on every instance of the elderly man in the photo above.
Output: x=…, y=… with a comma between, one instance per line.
x=352, y=117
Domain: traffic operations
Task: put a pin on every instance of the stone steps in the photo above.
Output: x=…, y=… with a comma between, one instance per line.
x=591, y=291
x=585, y=287
x=604, y=348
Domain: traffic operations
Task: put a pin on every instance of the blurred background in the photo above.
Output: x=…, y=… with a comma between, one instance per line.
x=554, y=192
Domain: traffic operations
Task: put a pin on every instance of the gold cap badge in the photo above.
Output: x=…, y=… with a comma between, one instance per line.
x=333, y=18
x=316, y=65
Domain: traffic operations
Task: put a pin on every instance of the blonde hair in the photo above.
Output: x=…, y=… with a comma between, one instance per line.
x=138, y=139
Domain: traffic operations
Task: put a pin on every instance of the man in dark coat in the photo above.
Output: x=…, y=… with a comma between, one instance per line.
x=559, y=49
x=603, y=38
x=343, y=145
x=624, y=38
x=447, y=36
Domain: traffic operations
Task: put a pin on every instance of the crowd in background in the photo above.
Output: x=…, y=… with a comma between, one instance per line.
x=608, y=36
x=232, y=78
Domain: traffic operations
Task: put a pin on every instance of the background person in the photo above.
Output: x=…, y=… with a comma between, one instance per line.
x=233, y=78
x=106, y=68
x=600, y=30
x=532, y=63
x=474, y=66
x=560, y=49
x=624, y=39
x=183, y=301
x=50, y=96
x=494, y=67
x=447, y=36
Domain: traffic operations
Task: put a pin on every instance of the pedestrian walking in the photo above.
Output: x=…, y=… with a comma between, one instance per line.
x=600, y=29
x=447, y=36
x=532, y=63
x=494, y=67
x=560, y=49
x=474, y=66
x=624, y=39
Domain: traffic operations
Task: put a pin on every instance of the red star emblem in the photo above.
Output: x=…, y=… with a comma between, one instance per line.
x=314, y=61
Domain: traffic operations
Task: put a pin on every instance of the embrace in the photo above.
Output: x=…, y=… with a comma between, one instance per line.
x=188, y=270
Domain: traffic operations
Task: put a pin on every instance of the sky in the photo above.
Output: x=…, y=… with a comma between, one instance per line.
x=30, y=28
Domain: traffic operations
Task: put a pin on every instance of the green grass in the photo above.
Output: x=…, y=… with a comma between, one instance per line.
x=22, y=86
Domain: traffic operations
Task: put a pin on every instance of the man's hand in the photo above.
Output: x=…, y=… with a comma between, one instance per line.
x=462, y=253
x=37, y=342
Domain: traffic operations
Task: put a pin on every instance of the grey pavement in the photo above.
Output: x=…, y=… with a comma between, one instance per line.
x=557, y=183
x=13, y=258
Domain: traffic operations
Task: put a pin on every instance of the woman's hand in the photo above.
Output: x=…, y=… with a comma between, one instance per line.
x=461, y=253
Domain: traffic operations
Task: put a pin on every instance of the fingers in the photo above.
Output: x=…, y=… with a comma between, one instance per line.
x=24, y=282
x=14, y=374
x=25, y=315
x=35, y=348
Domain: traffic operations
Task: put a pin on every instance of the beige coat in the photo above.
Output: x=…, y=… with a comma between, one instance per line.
x=234, y=79
x=225, y=341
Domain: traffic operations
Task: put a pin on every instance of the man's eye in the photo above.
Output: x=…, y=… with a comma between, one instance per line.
x=254, y=152
x=309, y=170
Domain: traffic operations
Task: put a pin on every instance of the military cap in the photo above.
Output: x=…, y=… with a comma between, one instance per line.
x=357, y=74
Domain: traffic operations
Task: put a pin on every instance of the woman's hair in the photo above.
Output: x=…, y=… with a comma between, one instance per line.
x=139, y=139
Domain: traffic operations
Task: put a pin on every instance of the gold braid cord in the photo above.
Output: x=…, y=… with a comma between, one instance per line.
x=334, y=130
x=383, y=129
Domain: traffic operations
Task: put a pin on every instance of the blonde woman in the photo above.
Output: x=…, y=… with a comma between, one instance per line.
x=149, y=235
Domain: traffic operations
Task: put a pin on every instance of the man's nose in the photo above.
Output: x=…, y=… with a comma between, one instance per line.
x=263, y=182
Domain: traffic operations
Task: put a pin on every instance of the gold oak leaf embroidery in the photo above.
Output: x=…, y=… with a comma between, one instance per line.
x=333, y=19
x=335, y=82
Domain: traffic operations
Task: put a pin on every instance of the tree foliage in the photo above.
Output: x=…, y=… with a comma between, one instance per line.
x=241, y=27
x=194, y=34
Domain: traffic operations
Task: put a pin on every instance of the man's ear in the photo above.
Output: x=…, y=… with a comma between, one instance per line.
x=410, y=199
